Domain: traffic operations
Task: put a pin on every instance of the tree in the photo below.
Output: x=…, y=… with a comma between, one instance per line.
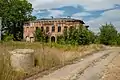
x=97, y=38
x=14, y=13
x=108, y=35
x=65, y=35
x=8, y=37
x=85, y=36
x=118, y=39
x=39, y=35
x=78, y=35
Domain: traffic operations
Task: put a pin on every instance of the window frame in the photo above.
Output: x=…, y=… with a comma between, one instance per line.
x=47, y=29
x=53, y=28
x=59, y=28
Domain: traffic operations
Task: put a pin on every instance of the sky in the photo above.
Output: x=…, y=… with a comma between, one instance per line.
x=93, y=12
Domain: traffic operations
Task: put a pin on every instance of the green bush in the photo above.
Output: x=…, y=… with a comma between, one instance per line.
x=38, y=35
x=8, y=37
x=108, y=35
x=118, y=39
x=77, y=36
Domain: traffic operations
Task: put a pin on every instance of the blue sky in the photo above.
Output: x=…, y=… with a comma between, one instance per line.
x=93, y=12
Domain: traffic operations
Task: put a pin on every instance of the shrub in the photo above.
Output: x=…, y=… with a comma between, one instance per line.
x=118, y=39
x=8, y=37
x=38, y=35
x=85, y=36
x=77, y=36
x=108, y=35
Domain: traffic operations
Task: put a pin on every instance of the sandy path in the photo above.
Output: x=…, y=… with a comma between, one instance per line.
x=95, y=71
x=72, y=72
x=112, y=71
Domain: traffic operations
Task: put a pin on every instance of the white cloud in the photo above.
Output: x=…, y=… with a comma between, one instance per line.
x=81, y=18
x=81, y=14
x=36, y=12
x=38, y=4
x=111, y=16
x=87, y=4
x=55, y=13
x=108, y=16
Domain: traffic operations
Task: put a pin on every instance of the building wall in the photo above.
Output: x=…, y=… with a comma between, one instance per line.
x=30, y=27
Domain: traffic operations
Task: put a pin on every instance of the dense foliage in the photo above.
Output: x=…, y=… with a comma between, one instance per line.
x=40, y=35
x=80, y=35
x=108, y=35
x=118, y=39
x=77, y=36
x=14, y=13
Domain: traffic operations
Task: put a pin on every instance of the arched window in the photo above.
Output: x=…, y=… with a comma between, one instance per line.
x=71, y=27
x=36, y=28
x=59, y=28
x=53, y=28
x=42, y=28
x=47, y=29
x=52, y=39
x=65, y=27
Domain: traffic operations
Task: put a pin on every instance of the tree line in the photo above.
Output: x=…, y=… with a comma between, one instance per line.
x=80, y=35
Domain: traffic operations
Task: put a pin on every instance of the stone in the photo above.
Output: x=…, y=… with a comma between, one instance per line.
x=22, y=59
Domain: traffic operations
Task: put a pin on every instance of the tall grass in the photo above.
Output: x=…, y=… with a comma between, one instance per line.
x=6, y=71
x=62, y=55
x=52, y=55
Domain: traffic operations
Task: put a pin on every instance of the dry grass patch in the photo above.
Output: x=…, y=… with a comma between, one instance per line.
x=47, y=56
x=51, y=57
x=6, y=71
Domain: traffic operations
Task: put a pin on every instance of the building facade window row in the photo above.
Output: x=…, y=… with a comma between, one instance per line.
x=52, y=30
x=48, y=29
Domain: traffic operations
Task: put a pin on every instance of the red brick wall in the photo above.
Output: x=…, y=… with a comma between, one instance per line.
x=30, y=29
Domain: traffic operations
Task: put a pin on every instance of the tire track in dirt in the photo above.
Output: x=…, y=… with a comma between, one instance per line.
x=67, y=72
x=95, y=71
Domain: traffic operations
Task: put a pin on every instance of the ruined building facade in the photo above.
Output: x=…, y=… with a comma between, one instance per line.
x=53, y=27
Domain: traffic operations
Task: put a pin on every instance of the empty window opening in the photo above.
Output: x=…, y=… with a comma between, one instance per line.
x=42, y=28
x=47, y=29
x=53, y=28
x=52, y=39
x=59, y=28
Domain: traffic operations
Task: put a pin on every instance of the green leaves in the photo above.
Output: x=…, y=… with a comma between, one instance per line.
x=39, y=35
x=118, y=39
x=108, y=35
x=14, y=13
x=78, y=35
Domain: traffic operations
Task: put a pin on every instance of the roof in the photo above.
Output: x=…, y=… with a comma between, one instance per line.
x=53, y=19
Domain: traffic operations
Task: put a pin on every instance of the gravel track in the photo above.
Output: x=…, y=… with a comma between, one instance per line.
x=83, y=68
x=91, y=67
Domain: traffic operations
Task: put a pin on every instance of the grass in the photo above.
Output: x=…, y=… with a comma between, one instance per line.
x=47, y=56
x=6, y=71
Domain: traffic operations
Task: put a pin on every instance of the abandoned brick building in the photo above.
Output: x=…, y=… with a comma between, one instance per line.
x=52, y=26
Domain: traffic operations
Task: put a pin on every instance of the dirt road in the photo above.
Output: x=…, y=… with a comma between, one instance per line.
x=89, y=68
